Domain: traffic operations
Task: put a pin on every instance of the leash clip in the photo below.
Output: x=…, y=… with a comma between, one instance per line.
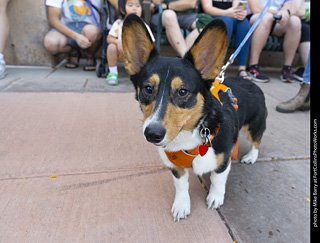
x=220, y=77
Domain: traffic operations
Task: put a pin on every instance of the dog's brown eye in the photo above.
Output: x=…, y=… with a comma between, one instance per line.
x=183, y=92
x=148, y=90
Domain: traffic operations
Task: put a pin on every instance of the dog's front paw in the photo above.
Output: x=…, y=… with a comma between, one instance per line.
x=204, y=164
x=215, y=200
x=181, y=208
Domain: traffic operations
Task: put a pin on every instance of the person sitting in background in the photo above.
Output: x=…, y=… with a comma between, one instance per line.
x=75, y=28
x=304, y=46
x=177, y=14
x=4, y=33
x=288, y=27
x=114, y=38
x=234, y=16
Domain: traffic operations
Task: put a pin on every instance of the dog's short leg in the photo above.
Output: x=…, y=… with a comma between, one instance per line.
x=181, y=206
x=252, y=156
x=215, y=197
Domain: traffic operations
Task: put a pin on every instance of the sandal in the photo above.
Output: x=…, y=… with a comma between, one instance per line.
x=70, y=63
x=90, y=66
x=247, y=76
x=112, y=79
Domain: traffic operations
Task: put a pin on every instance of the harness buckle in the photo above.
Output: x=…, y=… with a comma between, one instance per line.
x=232, y=98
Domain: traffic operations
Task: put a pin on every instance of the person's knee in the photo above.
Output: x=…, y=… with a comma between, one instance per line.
x=295, y=23
x=92, y=33
x=267, y=21
x=112, y=49
x=51, y=45
x=169, y=17
x=55, y=43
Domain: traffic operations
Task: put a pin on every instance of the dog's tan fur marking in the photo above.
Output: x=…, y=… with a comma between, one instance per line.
x=219, y=158
x=256, y=144
x=178, y=119
x=178, y=171
x=147, y=110
x=176, y=83
x=154, y=79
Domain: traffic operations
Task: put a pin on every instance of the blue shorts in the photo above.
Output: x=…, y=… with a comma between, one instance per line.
x=77, y=27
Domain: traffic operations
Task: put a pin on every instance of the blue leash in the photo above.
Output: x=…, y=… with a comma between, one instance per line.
x=92, y=12
x=235, y=54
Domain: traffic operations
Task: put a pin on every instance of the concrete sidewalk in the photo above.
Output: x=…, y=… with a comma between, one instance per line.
x=74, y=168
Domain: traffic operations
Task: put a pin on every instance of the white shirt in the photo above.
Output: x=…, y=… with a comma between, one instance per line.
x=275, y=4
x=76, y=10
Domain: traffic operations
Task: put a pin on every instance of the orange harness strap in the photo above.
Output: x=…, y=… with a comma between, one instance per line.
x=216, y=87
x=184, y=158
x=234, y=155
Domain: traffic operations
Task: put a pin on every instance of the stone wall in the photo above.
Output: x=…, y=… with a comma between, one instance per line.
x=28, y=25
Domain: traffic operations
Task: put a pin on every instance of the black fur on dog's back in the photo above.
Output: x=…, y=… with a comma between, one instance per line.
x=252, y=114
x=252, y=110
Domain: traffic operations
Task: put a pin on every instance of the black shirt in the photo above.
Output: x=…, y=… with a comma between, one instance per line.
x=222, y=4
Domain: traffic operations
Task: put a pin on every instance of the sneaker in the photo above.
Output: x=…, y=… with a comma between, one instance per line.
x=298, y=75
x=256, y=75
x=3, y=71
x=286, y=74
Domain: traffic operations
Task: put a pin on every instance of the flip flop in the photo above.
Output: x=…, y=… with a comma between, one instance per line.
x=71, y=64
x=112, y=79
x=88, y=66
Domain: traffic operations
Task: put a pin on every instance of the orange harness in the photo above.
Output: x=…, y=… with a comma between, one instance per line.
x=184, y=158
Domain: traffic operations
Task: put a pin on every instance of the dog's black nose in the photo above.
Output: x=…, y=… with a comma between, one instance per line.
x=154, y=133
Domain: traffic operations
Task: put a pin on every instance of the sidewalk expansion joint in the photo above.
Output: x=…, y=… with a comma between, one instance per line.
x=51, y=72
x=52, y=175
x=9, y=84
x=278, y=158
x=118, y=178
x=205, y=187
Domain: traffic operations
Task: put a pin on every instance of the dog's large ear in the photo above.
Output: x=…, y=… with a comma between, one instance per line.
x=209, y=49
x=136, y=43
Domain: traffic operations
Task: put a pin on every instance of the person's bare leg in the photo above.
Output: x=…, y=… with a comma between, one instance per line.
x=4, y=34
x=55, y=42
x=4, y=24
x=93, y=33
x=174, y=35
x=259, y=37
x=112, y=55
x=192, y=36
x=304, y=49
x=291, y=32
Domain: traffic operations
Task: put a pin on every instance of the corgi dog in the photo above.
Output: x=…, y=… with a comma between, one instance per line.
x=182, y=116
